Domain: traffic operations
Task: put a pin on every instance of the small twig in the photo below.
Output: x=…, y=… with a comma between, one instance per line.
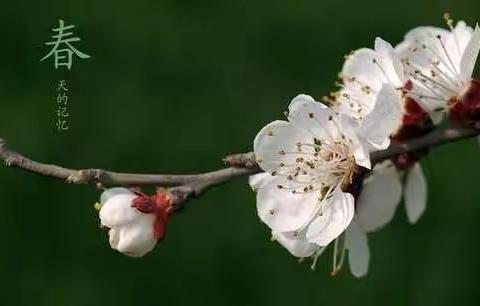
x=181, y=194
x=433, y=139
x=108, y=178
x=186, y=186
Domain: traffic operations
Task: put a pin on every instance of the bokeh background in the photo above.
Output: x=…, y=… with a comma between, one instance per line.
x=173, y=86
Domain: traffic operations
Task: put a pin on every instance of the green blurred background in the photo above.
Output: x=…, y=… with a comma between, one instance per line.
x=173, y=86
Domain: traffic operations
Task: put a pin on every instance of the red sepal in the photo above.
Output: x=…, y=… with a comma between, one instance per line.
x=144, y=204
x=160, y=205
x=465, y=110
x=164, y=208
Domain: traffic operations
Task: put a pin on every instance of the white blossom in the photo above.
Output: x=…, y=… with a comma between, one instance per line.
x=373, y=80
x=440, y=64
x=131, y=232
x=310, y=161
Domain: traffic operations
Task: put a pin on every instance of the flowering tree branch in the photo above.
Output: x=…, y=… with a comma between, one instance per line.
x=185, y=186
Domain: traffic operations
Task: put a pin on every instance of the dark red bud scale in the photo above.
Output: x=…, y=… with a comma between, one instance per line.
x=415, y=123
x=408, y=85
x=465, y=109
x=163, y=203
x=160, y=205
x=144, y=204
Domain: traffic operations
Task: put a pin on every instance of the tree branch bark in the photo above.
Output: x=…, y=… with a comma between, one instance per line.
x=186, y=186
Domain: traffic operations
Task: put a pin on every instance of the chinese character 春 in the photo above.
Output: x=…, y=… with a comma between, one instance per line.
x=62, y=48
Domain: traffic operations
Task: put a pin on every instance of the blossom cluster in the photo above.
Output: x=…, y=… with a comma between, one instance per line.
x=319, y=186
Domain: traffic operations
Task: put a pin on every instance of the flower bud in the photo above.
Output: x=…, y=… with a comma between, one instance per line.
x=135, y=221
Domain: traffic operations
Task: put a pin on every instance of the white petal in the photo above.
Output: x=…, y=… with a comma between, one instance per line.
x=275, y=137
x=420, y=34
x=296, y=243
x=383, y=47
x=282, y=210
x=117, y=210
x=381, y=193
x=313, y=117
x=358, y=251
x=384, y=119
x=360, y=65
x=469, y=57
x=258, y=180
x=403, y=48
x=137, y=238
x=358, y=146
x=374, y=68
x=113, y=238
x=392, y=65
x=463, y=35
x=353, y=100
x=107, y=194
x=334, y=219
x=422, y=57
x=437, y=117
x=302, y=105
x=415, y=193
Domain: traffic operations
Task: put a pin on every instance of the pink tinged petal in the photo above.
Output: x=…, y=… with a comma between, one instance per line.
x=275, y=142
x=380, y=196
x=469, y=57
x=415, y=193
x=333, y=219
x=282, y=210
x=358, y=251
x=137, y=238
x=117, y=210
x=385, y=118
x=109, y=193
x=296, y=243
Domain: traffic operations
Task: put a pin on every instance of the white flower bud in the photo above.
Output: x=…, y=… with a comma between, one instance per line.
x=131, y=231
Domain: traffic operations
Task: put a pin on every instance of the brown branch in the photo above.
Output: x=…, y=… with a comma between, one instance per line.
x=184, y=187
x=433, y=139
x=109, y=178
